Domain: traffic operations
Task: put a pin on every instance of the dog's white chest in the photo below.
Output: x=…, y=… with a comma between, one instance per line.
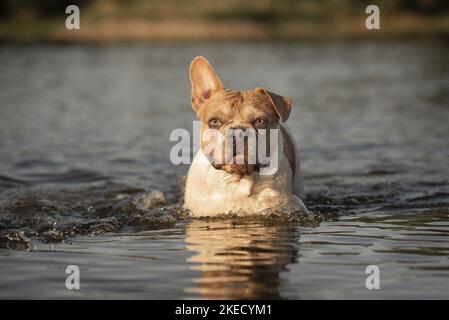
x=210, y=192
x=245, y=186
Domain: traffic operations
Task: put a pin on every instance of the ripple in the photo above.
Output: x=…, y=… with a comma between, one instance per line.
x=7, y=182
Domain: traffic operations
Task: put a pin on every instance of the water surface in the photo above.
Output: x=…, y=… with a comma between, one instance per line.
x=85, y=175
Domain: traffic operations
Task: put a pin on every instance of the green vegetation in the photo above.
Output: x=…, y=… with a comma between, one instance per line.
x=114, y=20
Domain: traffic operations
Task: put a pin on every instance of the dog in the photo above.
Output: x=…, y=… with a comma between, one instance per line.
x=231, y=179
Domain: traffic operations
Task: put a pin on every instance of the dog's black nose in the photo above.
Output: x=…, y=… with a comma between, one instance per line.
x=237, y=132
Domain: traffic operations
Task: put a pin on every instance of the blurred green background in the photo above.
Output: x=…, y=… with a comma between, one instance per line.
x=139, y=20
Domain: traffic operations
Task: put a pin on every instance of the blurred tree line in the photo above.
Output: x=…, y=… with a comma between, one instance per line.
x=260, y=10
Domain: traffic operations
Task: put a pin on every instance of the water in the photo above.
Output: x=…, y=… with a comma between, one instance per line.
x=85, y=176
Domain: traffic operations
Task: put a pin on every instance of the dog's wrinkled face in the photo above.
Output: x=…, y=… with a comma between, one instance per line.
x=229, y=118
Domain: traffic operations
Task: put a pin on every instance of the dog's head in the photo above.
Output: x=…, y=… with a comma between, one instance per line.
x=230, y=117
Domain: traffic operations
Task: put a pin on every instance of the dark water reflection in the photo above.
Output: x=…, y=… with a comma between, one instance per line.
x=240, y=261
x=85, y=176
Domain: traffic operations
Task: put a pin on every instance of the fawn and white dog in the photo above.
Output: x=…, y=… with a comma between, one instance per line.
x=226, y=174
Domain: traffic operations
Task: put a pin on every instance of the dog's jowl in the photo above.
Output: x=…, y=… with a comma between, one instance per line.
x=248, y=161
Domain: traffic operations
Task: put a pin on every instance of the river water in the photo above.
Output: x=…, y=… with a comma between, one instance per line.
x=86, y=179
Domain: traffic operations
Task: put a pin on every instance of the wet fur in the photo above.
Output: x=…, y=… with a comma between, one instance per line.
x=212, y=189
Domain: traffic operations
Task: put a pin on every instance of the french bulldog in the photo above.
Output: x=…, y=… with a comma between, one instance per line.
x=248, y=161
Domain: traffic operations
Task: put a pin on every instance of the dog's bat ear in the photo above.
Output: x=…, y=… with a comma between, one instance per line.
x=204, y=82
x=281, y=104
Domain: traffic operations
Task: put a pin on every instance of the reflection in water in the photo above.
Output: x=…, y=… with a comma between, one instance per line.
x=240, y=261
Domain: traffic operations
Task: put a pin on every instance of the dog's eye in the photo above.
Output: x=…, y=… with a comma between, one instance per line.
x=214, y=123
x=260, y=122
